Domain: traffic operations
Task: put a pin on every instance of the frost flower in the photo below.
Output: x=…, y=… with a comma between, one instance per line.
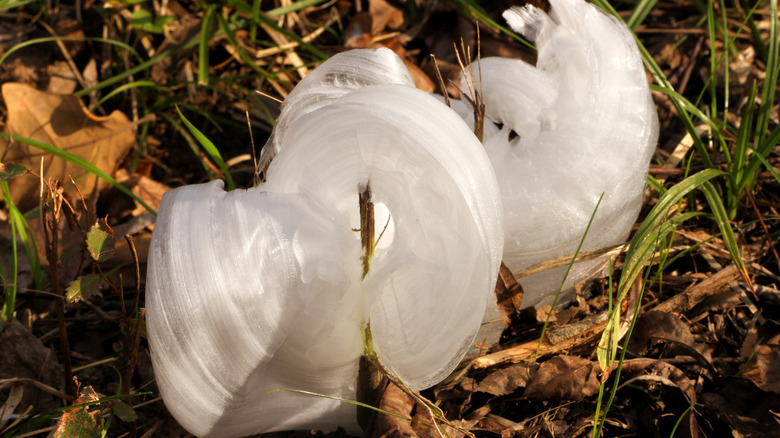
x=579, y=123
x=255, y=290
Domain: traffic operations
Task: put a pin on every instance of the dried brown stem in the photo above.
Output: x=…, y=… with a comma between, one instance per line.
x=50, y=223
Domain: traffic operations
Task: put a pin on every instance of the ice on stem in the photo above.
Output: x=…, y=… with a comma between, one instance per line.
x=585, y=124
x=255, y=290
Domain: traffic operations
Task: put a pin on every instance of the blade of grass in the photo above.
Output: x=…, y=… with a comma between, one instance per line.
x=739, y=163
x=203, y=45
x=768, y=167
x=770, y=81
x=722, y=220
x=640, y=12
x=124, y=87
x=471, y=8
x=566, y=275
x=191, y=142
x=713, y=59
x=210, y=149
x=9, y=304
x=665, y=86
x=54, y=39
x=758, y=44
x=641, y=249
x=268, y=21
x=293, y=7
x=84, y=164
x=231, y=37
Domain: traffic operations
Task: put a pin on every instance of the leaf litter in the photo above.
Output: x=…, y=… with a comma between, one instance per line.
x=702, y=357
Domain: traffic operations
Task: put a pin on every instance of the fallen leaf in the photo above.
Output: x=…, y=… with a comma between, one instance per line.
x=421, y=80
x=743, y=407
x=61, y=78
x=124, y=411
x=9, y=406
x=398, y=402
x=762, y=347
x=654, y=370
x=384, y=16
x=655, y=326
x=507, y=380
x=80, y=422
x=25, y=357
x=63, y=122
x=509, y=295
x=10, y=171
x=564, y=378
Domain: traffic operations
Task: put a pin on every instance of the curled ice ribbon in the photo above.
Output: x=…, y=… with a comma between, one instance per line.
x=579, y=123
x=255, y=290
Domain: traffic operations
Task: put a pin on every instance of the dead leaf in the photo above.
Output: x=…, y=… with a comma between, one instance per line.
x=564, y=378
x=384, y=16
x=509, y=295
x=61, y=78
x=743, y=407
x=80, y=422
x=763, y=348
x=9, y=406
x=63, y=122
x=655, y=326
x=24, y=357
x=507, y=380
x=421, y=80
x=147, y=189
x=646, y=369
x=398, y=402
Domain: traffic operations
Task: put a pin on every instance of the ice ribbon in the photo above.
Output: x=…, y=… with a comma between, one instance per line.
x=585, y=124
x=255, y=290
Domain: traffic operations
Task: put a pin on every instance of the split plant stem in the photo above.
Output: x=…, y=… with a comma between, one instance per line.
x=50, y=221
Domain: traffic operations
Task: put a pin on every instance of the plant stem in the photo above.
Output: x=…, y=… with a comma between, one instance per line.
x=366, y=227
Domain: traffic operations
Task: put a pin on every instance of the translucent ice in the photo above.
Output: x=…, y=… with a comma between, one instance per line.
x=255, y=290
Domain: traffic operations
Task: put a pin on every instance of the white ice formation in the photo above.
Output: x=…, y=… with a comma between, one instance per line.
x=585, y=124
x=255, y=290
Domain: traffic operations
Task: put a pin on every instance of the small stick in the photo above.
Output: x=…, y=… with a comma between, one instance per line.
x=366, y=226
x=441, y=81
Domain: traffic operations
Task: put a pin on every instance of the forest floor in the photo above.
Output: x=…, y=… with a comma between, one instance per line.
x=701, y=351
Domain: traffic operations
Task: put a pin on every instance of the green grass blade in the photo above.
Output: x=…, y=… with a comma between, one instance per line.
x=471, y=8
x=125, y=87
x=770, y=81
x=210, y=149
x=292, y=7
x=665, y=86
x=565, y=276
x=9, y=304
x=346, y=400
x=643, y=245
x=82, y=163
x=253, y=22
x=203, y=45
x=51, y=39
x=713, y=59
x=656, y=185
x=639, y=13
x=737, y=167
x=722, y=220
x=670, y=198
x=268, y=21
x=768, y=166
x=28, y=241
x=233, y=40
